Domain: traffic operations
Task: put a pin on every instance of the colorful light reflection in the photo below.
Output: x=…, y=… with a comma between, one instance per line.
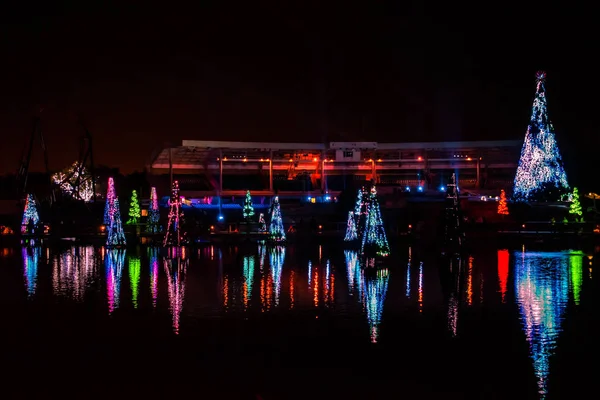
x=176, y=273
x=153, y=257
x=503, y=258
x=376, y=288
x=134, y=279
x=114, y=261
x=542, y=292
x=31, y=258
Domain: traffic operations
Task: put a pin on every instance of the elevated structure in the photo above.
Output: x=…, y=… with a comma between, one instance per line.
x=217, y=168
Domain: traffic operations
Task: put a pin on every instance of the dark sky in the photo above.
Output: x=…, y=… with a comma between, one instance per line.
x=383, y=71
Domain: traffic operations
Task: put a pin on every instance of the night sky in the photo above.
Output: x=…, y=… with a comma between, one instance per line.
x=383, y=72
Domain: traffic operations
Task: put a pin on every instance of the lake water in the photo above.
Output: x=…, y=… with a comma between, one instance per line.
x=310, y=321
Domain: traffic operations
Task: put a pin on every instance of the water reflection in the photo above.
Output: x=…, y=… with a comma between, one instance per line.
x=72, y=272
x=134, y=279
x=542, y=292
x=354, y=273
x=376, y=286
x=114, y=260
x=153, y=259
x=321, y=282
x=503, y=257
x=452, y=277
x=270, y=282
x=276, y=259
x=248, y=269
x=176, y=273
x=31, y=258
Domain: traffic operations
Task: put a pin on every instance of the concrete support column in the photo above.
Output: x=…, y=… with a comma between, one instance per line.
x=478, y=183
x=323, y=177
x=170, y=167
x=271, y=171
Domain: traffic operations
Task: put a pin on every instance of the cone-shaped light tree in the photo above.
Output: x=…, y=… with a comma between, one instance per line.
x=540, y=166
x=575, y=207
x=276, y=230
x=248, y=207
x=152, y=225
x=115, y=236
x=134, y=209
x=31, y=216
x=502, y=206
x=351, y=234
x=374, y=237
x=110, y=198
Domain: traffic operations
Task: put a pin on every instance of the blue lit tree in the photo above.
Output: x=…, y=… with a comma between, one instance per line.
x=152, y=225
x=374, y=238
x=540, y=171
x=115, y=236
x=276, y=230
x=31, y=218
x=351, y=234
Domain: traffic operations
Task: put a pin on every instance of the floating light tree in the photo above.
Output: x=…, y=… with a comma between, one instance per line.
x=374, y=238
x=110, y=199
x=116, y=235
x=540, y=166
x=134, y=209
x=153, y=225
x=248, y=207
x=30, y=215
x=276, y=230
x=502, y=207
x=173, y=234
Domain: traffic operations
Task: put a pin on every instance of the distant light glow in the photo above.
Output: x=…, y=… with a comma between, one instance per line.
x=420, y=188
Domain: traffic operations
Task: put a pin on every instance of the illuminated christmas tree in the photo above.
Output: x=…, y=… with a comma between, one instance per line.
x=110, y=198
x=173, y=234
x=152, y=225
x=502, y=207
x=351, y=228
x=276, y=231
x=115, y=236
x=540, y=169
x=31, y=218
x=262, y=225
x=134, y=209
x=374, y=238
x=575, y=208
x=248, y=207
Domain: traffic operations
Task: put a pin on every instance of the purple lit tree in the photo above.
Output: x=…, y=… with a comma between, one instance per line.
x=110, y=198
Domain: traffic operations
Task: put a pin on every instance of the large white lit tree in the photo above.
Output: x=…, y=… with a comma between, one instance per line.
x=540, y=170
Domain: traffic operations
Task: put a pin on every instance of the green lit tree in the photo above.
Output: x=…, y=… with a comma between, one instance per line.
x=248, y=207
x=134, y=209
x=575, y=208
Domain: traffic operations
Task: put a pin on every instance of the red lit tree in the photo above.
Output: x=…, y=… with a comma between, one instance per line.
x=502, y=207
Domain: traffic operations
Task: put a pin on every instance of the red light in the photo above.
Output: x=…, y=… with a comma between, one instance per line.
x=420, y=158
x=409, y=226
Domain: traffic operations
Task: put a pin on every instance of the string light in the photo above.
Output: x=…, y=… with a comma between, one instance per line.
x=75, y=181
x=248, y=207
